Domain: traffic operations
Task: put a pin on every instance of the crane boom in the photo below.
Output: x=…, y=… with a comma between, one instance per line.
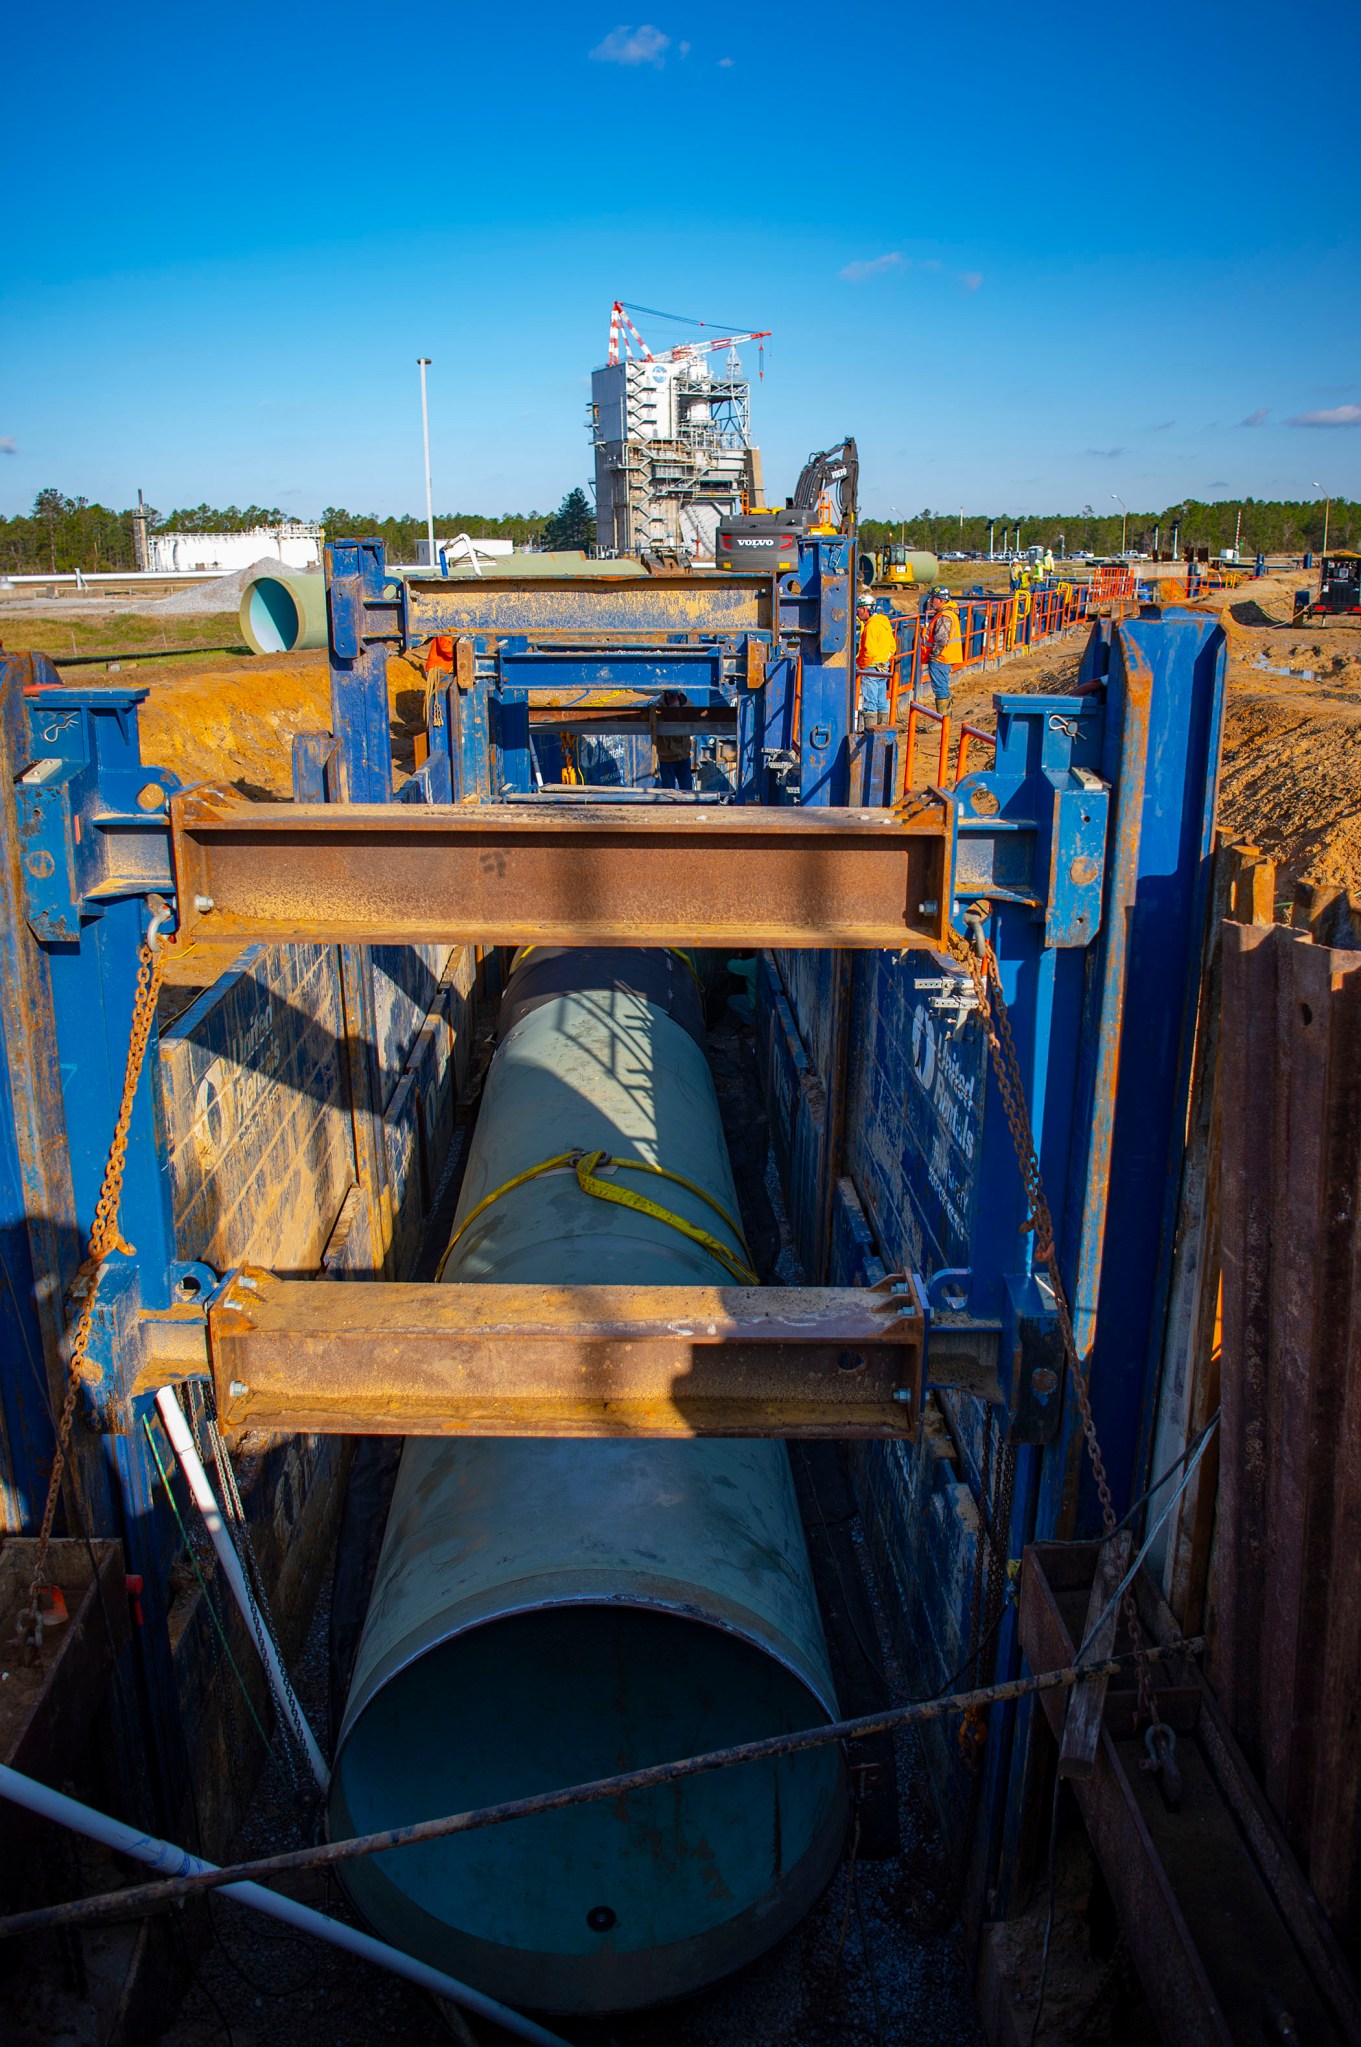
x=624, y=335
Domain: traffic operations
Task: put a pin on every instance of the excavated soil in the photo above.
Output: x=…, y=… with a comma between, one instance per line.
x=1291, y=775
x=1291, y=780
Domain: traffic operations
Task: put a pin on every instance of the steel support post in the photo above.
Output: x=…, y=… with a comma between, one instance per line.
x=365, y=622
x=820, y=590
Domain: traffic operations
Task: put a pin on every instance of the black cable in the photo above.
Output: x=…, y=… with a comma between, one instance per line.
x=1049, y=1914
x=309, y=1976
x=1174, y=1466
x=684, y=320
x=868, y=1959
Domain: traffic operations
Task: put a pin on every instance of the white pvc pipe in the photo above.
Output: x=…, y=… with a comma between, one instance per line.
x=164, y=1857
x=285, y=1698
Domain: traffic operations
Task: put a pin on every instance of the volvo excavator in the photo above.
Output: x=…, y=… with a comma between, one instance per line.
x=765, y=539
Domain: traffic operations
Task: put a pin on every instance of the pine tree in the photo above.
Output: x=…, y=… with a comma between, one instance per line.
x=573, y=524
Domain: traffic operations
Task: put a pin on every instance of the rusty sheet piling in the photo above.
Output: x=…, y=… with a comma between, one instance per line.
x=1288, y=1666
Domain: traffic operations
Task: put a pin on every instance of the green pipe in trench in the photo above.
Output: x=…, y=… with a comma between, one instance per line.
x=547, y=1611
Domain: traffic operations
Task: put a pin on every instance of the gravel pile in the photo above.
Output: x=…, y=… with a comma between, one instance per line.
x=224, y=593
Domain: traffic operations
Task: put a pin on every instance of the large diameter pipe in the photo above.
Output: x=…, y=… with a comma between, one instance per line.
x=172, y=1861
x=544, y=1611
x=283, y=614
x=286, y=614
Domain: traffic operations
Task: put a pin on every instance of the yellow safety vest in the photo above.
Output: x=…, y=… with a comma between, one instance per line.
x=878, y=642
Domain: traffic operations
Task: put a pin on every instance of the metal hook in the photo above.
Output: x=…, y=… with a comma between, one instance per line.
x=1161, y=1742
x=161, y=915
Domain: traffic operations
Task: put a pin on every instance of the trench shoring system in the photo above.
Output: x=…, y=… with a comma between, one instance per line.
x=1081, y=851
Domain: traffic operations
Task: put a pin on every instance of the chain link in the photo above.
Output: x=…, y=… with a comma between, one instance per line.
x=981, y=962
x=105, y=1237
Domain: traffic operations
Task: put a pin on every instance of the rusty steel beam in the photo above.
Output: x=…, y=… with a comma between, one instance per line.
x=372, y=1358
x=523, y=874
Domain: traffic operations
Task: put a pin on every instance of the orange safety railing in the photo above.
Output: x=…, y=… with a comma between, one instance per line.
x=1110, y=581
x=966, y=733
x=989, y=627
x=907, y=759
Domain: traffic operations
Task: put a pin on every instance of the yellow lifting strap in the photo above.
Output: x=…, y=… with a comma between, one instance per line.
x=586, y=1165
x=679, y=952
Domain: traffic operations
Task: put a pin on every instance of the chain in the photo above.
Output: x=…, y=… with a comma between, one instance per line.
x=981, y=962
x=105, y=1237
x=982, y=1543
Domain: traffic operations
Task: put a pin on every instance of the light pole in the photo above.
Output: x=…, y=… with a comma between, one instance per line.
x=992, y=527
x=424, y=361
x=1124, y=519
x=1327, y=507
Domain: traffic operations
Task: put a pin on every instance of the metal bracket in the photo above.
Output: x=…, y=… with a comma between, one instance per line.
x=93, y=823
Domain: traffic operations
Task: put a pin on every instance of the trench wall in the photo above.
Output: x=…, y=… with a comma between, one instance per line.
x=255, y=1107
x=919, y=1508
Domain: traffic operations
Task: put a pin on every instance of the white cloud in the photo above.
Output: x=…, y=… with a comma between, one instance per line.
x=9, y=446
x=1257, y=418
x=682, y=49
x=643, y=45
x=873, y=266
x=725, y=63
x=970, y=279
x=1105, y=454
x=1338, y=415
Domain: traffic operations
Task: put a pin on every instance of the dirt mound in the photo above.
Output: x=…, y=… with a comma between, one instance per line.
x=225, y=593
x=1291, y=774
x=237, y=725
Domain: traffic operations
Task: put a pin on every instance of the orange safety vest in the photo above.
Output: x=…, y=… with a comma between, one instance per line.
x=952, y=653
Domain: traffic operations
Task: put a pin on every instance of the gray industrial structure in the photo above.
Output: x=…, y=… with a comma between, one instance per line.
x=673, y=452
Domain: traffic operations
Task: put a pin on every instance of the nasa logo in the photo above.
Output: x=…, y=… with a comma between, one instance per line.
x=924, y=1048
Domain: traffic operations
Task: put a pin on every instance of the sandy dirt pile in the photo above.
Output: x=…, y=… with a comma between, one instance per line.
x=202, y=599
x=1291, y=778
x=237, y=725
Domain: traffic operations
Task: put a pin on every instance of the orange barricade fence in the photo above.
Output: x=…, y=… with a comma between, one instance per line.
x=989, y=627
x=1110, y=581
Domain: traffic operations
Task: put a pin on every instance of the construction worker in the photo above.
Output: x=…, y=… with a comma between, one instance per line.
x=1049, y=561
x=876, y=652
x=944, y=645
x=673, y=748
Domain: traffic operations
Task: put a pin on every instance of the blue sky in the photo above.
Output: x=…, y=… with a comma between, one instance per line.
x=1029, y=257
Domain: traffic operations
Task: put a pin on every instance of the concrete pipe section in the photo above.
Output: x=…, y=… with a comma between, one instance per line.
x=283, y=614
x=286, y=614
x=545, y=1612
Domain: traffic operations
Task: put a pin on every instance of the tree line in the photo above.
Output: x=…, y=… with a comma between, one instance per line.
x=1271, y=525
x=63, y=533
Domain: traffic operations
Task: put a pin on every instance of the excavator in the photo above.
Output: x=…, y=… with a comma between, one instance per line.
x=765, y=539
